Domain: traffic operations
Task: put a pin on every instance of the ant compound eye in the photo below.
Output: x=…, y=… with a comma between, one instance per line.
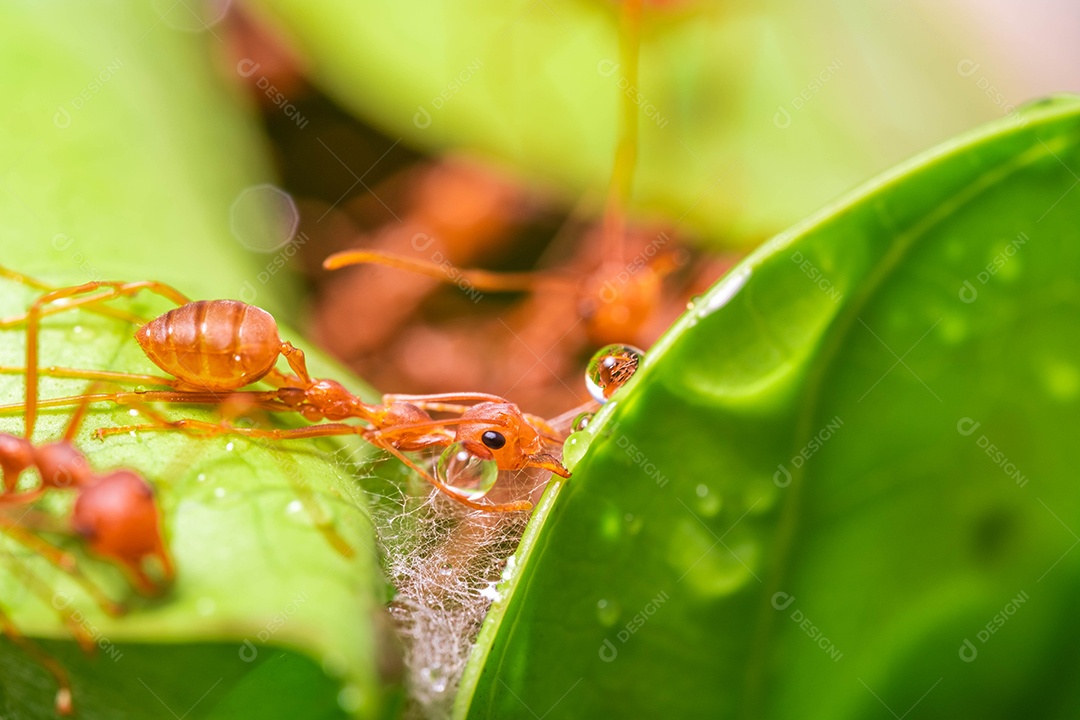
x=493, y=440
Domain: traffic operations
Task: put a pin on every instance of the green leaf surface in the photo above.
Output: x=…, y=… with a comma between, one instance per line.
x=844, y=484
x=751, y=115
x=121, y=156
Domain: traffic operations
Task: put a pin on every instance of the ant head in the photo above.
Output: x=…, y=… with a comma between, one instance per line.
x=118, y=518
x=499, y=432
x=62, y=466
x=406, y=415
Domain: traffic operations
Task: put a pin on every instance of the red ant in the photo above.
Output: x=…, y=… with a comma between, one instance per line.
x=114, y=514
x=213, y=348
x=615, y=295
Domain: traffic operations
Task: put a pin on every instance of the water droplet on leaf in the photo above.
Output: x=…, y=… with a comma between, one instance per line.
x=610, y=368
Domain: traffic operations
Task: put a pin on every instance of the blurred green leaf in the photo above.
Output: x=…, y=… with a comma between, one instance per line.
x=752, y=115
x=121, y=156
x=844, y=484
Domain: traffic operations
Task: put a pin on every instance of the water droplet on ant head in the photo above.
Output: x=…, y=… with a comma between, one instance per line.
x=581, y=421
x=466, y=474
x=610, y=368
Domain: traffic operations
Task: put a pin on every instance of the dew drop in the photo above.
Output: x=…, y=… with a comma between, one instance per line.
x=607, y=611
x=298, y=513
x=693, y=302
x=201, y=477
x=581, y=421
x=610, y=368
x=574, y=448
x=220, y=493
x=709, y=568
x=466, y=474
x=77, y=329
x=725, y=290
x=708, y=502
x=1060, y=379
x=760, y=496
x=229, y=446
x=611, y=525
x=350, y=699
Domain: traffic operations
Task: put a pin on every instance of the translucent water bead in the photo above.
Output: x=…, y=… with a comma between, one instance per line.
x=610, y=368
x=466, y=474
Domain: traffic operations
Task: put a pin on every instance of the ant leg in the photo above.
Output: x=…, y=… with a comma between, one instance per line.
x=46, y=287
x=202, y=429
x=113, y=290
x=43, y=305
x=429, y=406
x=103, y=375
x=443, y=402
x=541, y=425
x=264, y=400
x=63, y=703
x=297, y=361
x=194, y=428
x=481, y=279
x=63, y=561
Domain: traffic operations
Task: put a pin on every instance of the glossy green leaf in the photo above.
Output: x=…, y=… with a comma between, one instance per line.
x=751, y=116
x=121, y=156
x=844, y=484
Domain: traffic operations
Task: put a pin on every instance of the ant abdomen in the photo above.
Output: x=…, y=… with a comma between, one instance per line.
x=118, y=518
x=213, y=344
